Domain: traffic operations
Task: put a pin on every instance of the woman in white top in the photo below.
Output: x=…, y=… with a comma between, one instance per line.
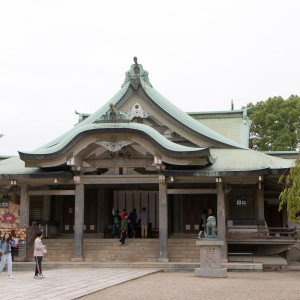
x=39, y=250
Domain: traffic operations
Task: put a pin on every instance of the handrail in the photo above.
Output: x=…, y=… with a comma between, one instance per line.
x=274, y=232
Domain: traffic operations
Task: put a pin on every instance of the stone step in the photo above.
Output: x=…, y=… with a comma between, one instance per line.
x=171, y=266
x=100, y=249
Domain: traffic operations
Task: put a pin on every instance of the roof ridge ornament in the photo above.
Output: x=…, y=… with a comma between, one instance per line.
x=137, y=111
x=113, y=116
x=135, y=74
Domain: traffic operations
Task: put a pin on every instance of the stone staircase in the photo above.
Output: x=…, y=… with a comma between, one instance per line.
x=110, y=250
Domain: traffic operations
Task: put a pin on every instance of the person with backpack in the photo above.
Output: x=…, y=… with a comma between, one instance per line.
x=5, y=249
x=124, y=229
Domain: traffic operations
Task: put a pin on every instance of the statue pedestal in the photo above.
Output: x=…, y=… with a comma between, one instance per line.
x=210, y=259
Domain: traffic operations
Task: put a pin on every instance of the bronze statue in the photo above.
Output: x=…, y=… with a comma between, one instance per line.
x=211, y=228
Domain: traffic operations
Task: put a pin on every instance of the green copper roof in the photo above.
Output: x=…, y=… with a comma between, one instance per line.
x=232, y=128
x=166, y=105
x=102, y=110
x=280, y=152
x=15, y=168
x=134, y=126
x=184, y=118
x=226, y=112
x=243, y=160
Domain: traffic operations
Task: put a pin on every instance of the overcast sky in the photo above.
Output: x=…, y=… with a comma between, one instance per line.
x=60, y=56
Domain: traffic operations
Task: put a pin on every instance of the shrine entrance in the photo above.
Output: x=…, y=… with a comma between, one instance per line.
x=193, y=206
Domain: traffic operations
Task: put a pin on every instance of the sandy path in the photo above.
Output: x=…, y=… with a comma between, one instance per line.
x=238, y=286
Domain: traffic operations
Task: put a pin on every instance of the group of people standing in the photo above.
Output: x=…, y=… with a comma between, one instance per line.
x=7, y=248
x=121, y=222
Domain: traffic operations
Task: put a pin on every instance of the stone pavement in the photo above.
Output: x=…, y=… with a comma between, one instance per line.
x=70, y=283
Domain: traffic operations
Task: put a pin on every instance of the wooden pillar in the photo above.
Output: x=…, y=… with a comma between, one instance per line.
x=24, y=207
x=101, y=210
x=14, y=197
x=260, y=206
x=79, y=220
x=47, y=205
x=176, y=214
x=221, y=220
x=59, y=213
x=163, y=220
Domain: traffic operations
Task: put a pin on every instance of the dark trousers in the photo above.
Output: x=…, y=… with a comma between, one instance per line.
x=124, y=235
x=132, y=227
x=116, y=230
x=38, y=265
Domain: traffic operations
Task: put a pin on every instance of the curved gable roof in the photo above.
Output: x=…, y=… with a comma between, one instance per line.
x=182, y=117
x=162, y=104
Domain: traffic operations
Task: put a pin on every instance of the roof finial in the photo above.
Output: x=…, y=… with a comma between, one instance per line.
x=135, y=60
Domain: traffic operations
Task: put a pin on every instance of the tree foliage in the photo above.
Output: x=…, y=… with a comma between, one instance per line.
x=276, y=124
x=290, y=196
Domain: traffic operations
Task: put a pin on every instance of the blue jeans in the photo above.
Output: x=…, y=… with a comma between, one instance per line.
x=6, y=258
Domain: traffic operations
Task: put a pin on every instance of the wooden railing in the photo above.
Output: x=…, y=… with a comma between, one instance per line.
x=283, y=232
x=259, y=232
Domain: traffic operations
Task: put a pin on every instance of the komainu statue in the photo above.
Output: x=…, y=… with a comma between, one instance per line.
x=211, y=228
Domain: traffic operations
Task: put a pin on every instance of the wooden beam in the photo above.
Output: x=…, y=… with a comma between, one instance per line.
x=119, y=179
x=191, y=191
x=51, y=192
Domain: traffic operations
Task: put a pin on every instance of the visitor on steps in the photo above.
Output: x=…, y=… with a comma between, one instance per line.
x=5, y=250
x=123, y=213
x=116, y=228
x=133, y=217
x=144, y=222
x=124, y=229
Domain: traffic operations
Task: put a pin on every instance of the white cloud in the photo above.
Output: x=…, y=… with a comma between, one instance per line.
x=58, y=56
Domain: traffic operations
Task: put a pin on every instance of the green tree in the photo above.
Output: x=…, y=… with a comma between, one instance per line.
x=276, y=124
x=290, y=196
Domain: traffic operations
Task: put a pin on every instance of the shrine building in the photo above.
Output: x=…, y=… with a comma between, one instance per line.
x=139, y=150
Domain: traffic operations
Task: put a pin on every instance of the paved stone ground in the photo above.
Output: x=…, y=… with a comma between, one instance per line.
x=65, y=283
x=117, y=283
x=185, y=286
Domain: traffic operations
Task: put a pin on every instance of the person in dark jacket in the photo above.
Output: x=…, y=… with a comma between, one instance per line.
x=132, y=218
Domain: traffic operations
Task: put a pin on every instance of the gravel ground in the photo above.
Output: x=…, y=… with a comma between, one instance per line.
x=237, y=286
